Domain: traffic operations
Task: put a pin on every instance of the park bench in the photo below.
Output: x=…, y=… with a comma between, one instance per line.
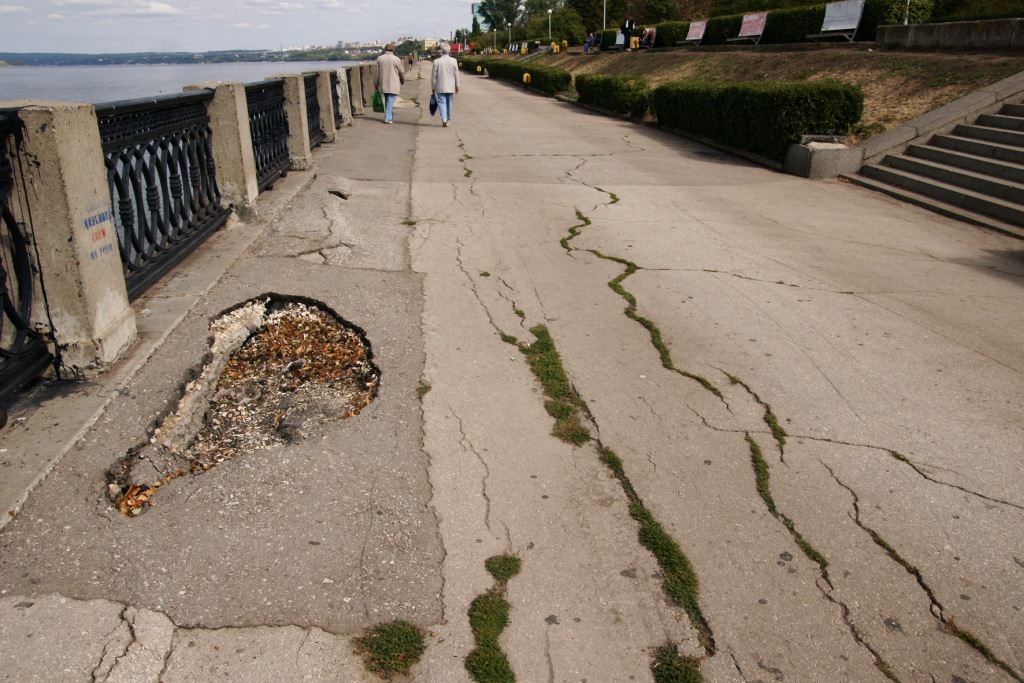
x=694, y=34
x=751, y=28
x=841, y=19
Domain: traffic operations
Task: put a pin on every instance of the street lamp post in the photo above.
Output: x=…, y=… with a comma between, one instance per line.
x=494, y=35
x=605, y=28
x=510, y=36
x=549, y=24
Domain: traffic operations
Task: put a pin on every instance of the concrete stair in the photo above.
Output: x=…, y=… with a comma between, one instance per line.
x=974, y=173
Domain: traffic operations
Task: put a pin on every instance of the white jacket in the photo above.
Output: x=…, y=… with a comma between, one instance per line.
x=444, y=74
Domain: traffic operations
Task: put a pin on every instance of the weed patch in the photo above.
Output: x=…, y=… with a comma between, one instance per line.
x=563, y=403
x=390, y=649
x=671, y=667
x=488, y=617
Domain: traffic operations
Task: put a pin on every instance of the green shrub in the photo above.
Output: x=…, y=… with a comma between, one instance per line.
x=793, y=25
x=975, y=10
x=760, y=117
x=670, y=33
x=608, y=39
x=623, y=95
x=720, y=29
x=544, y=78
x=889, y=12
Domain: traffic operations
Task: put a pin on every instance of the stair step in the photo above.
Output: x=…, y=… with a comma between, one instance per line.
x=1006, y=190
x=986, y=165
x=976, y=202
x=1002, y=136
x=1013, y=109
x=938, y=206
x=1001, y=121
x=983, y=148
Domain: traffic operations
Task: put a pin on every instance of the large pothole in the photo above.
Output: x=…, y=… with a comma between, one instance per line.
x=277, y=367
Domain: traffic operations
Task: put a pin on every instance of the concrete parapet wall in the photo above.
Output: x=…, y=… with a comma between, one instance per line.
x=72, y=215
x=73, y=223
x=993, y=34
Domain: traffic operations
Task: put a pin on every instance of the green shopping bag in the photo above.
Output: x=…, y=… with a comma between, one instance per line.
x=378, y=103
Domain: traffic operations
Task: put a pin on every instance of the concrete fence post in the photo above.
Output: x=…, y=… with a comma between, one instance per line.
x=323, y=95
x=344, y=98
x=355, y=81
x=73, y=222
x=232, y=146
x=367, y=74
x=298, y=121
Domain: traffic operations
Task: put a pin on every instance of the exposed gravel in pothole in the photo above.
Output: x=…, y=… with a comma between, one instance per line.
x=277, y=369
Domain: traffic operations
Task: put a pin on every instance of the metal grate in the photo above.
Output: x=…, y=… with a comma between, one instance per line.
x=162, y=178
x=269, y=127
x=316, y=130
x=24, y=353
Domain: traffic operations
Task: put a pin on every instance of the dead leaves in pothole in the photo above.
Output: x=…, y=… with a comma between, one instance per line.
x=302, y=365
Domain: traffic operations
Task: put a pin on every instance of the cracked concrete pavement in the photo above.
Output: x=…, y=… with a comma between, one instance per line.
x=884, y=340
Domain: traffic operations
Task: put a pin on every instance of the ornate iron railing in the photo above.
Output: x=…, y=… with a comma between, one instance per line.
x=23, y=350
x=163, y=182
x=336, y=98
x=269, y=127
x=316, y=129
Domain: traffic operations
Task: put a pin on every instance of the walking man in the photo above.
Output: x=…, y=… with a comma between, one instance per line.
x=444, y=81
x=389, y=79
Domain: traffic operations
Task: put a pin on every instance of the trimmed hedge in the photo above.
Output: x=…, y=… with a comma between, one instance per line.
x=763, y=118
x=793, y=25
x=889, y=12
x=670, y=33
x=624, y=95
x=544, y=78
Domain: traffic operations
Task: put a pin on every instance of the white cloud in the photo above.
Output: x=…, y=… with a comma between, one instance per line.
x=13, y=9
x=55, y=16
x=118, y=8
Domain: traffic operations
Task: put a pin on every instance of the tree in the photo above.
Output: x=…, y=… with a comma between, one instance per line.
x=499, y=13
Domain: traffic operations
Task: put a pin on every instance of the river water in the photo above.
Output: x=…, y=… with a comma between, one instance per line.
x=131, y=81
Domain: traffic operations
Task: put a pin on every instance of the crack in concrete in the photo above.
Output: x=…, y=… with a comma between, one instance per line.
x=777, y=432
x=917, y=468
x=736, y=663
x=102, y=670
x=363, y=570
x=547, y=655
x=467, y=445
x=935, y=606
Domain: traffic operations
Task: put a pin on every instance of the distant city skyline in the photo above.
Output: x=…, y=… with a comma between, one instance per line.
x=112, y=26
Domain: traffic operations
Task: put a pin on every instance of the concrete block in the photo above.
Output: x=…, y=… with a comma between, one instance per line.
x=355, y=83
x=73, y=222
x=822, y=159
x=326, y=102
x=298, y=120
x=232, y=146
x=344, y=97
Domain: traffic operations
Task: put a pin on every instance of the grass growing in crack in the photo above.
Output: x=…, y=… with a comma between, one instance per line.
x=503, y=567
x=509, y=339
x=488, y=617
x=390, y=649
x=680, y=582
x=762, y=475
x=563, y=403
x=669, y=666
x=468, y=172
x=521, y=313
x=978, y=645
x=422, y=390
x=409, y=222
x=773, y=423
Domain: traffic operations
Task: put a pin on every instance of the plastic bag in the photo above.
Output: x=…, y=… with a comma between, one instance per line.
x=378, y=103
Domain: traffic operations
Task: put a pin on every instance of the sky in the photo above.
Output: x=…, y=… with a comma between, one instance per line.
x=102, y=26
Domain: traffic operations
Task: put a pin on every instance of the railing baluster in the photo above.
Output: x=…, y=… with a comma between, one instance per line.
x=166, y=196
